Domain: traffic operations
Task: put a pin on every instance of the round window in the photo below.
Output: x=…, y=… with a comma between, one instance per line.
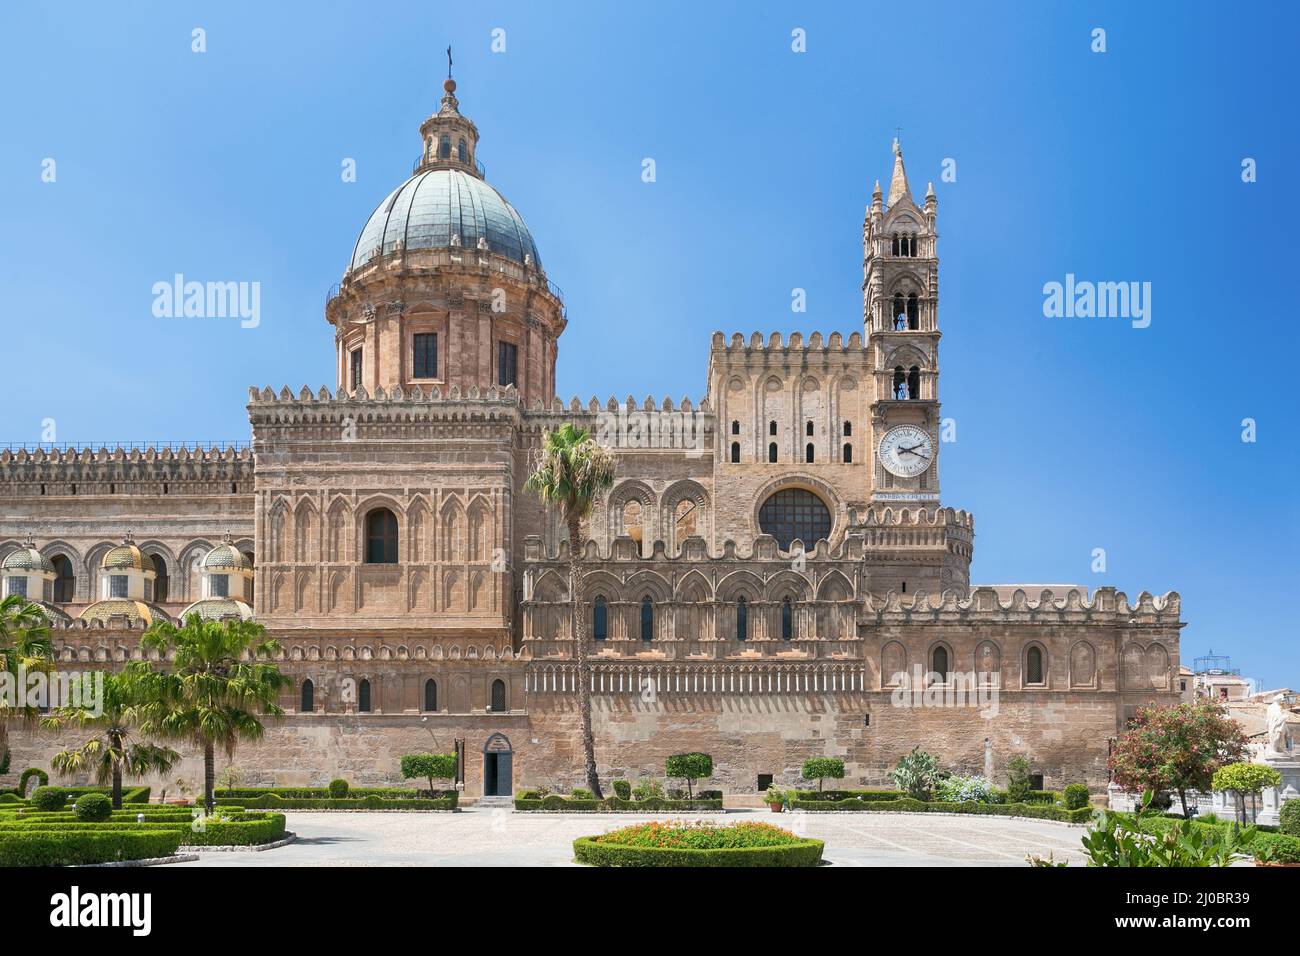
x=794, y=513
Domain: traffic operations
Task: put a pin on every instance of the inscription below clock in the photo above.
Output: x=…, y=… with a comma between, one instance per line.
x=906, y=451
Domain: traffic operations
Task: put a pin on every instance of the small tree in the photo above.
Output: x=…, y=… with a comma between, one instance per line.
x=430, y=766
x=819, y=768
x=1019, y=779
x=1176, y=749
x=1245, y=778
x=690, y=766
x=917, y=773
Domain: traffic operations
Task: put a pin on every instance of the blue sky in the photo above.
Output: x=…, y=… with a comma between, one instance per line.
x=1073, y=434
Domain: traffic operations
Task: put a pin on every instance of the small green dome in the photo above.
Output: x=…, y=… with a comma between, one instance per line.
x=226, y=557
x=127, y=556
x=28, y=559
x=216, y=609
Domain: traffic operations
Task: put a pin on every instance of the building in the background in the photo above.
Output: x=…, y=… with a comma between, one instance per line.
x=772, y=577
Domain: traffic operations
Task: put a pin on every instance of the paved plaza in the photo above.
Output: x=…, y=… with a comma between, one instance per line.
x=501, y=837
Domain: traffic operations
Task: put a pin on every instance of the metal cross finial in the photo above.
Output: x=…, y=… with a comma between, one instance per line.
x=898, y=130
x=449, y=63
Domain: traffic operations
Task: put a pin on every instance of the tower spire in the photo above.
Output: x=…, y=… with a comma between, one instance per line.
x=898, y=187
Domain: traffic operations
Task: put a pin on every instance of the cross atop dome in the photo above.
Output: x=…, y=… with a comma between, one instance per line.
x=450, y=139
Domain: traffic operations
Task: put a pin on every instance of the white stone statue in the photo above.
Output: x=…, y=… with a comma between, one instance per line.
x=1277, y=734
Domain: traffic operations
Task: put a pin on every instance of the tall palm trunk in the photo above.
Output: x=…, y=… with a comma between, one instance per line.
x=115, y=742
x=580, y=652
x=209, y=775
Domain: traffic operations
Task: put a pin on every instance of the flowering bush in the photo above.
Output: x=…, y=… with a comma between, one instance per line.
x=699, y=836
x=965, y=790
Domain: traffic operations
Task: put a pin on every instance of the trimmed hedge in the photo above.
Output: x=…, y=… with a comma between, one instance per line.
x=248, y=830
x=834, y=795
x=93, y=807
x=557, y=804
x=1035, y=811
x=804, y=853
x=81, y=847
x=27, y=775
x=322, y=793
x=273, y=801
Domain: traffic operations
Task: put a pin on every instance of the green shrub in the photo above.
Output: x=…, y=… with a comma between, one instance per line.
x=818, y=768
x=655, y=844
x=9, y=798
x=49, y=798
x=581, y=793
x=622, y=789
x=338, y=788
x=691, y=767
x=440, y=800
x=648, y=789
x=1019, y=781
x=1036, y=811
x=25, y=777
x=553, y=802
x=93, y=807
x=82, y=847
x=1289, y=818
x=1076, y=796
x=848, y=794
x=429, y=766
x=918, y=773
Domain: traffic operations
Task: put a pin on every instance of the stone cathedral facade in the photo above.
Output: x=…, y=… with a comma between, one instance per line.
x=772, y=577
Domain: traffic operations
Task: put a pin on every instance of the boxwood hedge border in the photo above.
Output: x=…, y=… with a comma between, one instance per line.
x=594, y=853
x=67, y=847
x=1035, y=811
x=558, y=804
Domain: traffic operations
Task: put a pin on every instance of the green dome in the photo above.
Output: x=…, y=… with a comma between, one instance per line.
x=226, y=557
x=28, y=559
x=216, y=609
x=127, y=555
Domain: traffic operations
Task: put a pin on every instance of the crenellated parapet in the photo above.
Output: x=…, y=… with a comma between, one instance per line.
x=835, y=342
x=137, y=470
x=984, y=605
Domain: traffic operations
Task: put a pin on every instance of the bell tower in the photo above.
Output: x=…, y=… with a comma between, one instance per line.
x=900, y=295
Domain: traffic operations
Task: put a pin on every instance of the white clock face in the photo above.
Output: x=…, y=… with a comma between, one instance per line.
x=906, y=451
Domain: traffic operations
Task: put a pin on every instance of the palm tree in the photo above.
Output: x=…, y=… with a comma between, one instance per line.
x=220, y=682
x=571, y=474
x=112, y=751
x=24, y=646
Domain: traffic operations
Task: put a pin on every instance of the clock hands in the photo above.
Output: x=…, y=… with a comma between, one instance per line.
x=912, y=451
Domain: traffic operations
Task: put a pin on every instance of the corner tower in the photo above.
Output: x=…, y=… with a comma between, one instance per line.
x=445, y=287
x=900, y=294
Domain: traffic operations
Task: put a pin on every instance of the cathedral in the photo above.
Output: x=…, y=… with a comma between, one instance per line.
x=773, y=575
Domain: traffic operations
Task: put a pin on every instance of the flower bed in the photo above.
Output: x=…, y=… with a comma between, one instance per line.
x=698, y=844
x=66, y=847
x=558, y=804
x=1037, y=811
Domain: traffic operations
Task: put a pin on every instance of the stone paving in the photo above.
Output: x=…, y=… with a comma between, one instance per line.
x=501, y=837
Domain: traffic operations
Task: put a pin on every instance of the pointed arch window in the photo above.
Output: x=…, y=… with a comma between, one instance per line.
x=914, y=382
x=498, y=696
x=647, y=619
x=913, y=311
x=735, y=452
x=307, y=697
x=1034, y=665
x=599, y=620
x=381, y=537
x=900, y=313
x=787, y=620
x=65, y=584
x=363, y=696
x=848, y=453
x=431, y=695
x=160, y=581
x=808, y=453
x=939, y=663
x=742, y=619
x=771, y=452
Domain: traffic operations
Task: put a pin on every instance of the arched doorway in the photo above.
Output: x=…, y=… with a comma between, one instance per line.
x=498, y=756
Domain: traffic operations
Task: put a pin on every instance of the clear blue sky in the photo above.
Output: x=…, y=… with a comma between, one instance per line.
x=1073, y=434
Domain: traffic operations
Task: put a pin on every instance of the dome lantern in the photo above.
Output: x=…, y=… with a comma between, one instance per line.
x=450, y=140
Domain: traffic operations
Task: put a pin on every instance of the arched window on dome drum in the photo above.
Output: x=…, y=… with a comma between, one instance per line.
x=787, y=620
x=444, y=147
x=381, y=537
x=462, y=153
x=307, y=697
x=599, y=620
x=65, y=584
x=1034, y=665
x=771, y=452
x=808, y=453
x=498, y=696
x=647, y=619
x=795, y=513
x=431, y=695
x=363, y=697
x=742, y=619
x=735, y=452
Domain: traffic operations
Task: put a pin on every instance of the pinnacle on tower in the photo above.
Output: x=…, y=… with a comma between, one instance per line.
x=898, y=187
